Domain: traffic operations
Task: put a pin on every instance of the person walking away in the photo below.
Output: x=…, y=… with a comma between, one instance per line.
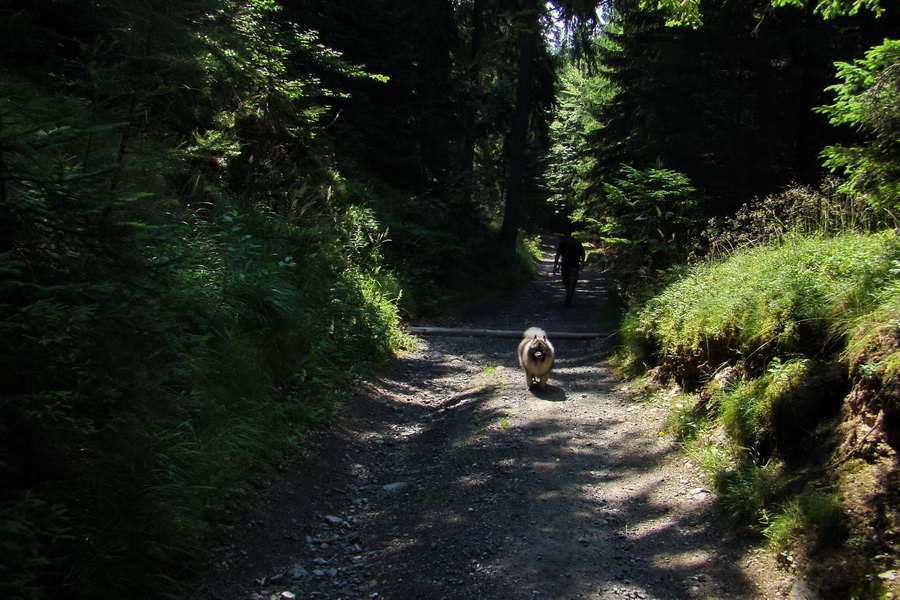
x=569, y=259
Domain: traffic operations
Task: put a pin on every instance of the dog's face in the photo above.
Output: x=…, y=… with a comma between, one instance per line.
x=538, y=350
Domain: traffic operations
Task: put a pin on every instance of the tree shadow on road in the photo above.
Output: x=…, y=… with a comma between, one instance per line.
x=551, y=508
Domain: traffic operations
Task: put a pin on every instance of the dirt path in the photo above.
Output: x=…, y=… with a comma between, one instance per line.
x=447, y=479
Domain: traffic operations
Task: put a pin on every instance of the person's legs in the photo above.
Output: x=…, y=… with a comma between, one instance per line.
x=570, y=277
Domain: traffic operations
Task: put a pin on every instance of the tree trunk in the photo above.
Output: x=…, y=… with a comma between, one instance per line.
x=468, y=155
x=519, y=132
x=5, y=209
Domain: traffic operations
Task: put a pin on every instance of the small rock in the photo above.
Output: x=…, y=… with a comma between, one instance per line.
x=394, y=488
x=286, y=595
x=298, y=572
x=888, y=576
x=801, y=590
x=332, y=520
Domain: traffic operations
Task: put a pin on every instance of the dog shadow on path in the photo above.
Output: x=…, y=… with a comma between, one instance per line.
x=551, y=394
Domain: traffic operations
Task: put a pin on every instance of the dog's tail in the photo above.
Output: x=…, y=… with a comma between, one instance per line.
x=534, y=333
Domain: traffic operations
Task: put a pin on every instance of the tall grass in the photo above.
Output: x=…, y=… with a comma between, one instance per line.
x=763, y=302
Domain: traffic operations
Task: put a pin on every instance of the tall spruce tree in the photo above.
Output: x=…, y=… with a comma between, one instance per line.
x=729, y=103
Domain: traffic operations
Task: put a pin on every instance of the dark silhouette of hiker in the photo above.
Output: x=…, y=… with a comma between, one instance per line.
x=569, y=259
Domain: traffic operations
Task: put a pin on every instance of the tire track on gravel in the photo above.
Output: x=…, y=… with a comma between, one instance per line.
x=446, y=479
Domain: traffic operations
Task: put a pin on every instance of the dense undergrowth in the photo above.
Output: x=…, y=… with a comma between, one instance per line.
x=778, y=363
x=190, y=280
x=154, y=371
x=157, y=370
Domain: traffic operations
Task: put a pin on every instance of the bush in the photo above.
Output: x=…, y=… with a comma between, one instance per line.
x=814, y=513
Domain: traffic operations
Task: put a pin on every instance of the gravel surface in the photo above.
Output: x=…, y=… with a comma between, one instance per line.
x=445, y=478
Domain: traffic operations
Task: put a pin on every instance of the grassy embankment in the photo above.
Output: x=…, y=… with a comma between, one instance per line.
x=783, y=370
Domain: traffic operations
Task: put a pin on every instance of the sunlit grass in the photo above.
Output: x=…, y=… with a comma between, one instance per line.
x=781, y=323
x=766, y=301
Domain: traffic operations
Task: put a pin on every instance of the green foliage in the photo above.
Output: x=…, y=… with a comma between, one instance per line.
x=800, y=210
x=763, y=494
x=869, y=330
x=759, y=338
x=581, y=97
x=446, y=254
x=645, y=218
x=867, y=100
x=830, y=9
x=687, y=12
x=729, y=104
x=794, y=287
x=686, y=420
x=750, y=490
x=138, y=401
x=765, y=302
x=209, y=222
x=714, y=461
x=678, y=12
x=814, y=513
x=182, y=298
x=759, y=411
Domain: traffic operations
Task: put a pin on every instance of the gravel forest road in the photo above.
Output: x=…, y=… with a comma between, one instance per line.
x=445, y=478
